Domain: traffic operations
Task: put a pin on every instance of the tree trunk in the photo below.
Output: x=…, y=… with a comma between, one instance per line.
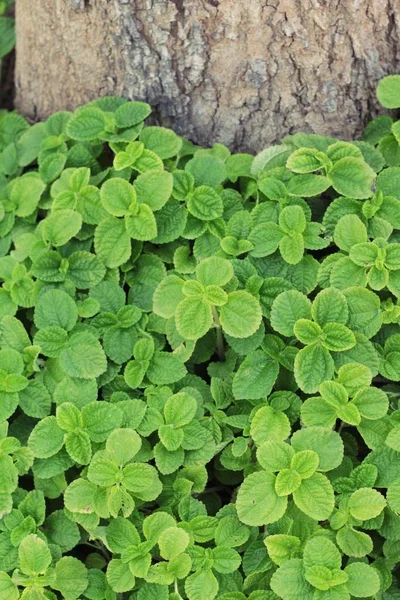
x=241, y=72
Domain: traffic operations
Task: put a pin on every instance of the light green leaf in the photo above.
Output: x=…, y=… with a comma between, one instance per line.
x=56, y=308
x=112, y=242
x=173, y=541
x=193, y=318
x=388, y=91
x=8, y=589
x=289, y=583
x=61, y=225
x=366, y=504
x=337, y=337
x=34, y=555
x=118, y=196
x=202, y=584
x=142, y=225
x=287, y=308
x=214, y=271
x=86, y=124
x=315, y=497
x=154, y=188
x=46, y=438
x=269, y=424
x=241, y=315
x=313, y=365
x=352, y=177
x=257, y=502
x=363, y=580
x=83, y=357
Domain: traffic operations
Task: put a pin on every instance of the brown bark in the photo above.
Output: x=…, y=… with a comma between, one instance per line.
x=241, y=72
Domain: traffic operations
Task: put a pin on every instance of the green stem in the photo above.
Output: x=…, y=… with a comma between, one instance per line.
x=220, y=337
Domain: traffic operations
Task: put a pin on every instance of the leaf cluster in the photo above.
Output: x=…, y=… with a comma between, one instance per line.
x=199, y=362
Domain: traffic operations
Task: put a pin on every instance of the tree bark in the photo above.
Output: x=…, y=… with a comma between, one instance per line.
x=240, y=72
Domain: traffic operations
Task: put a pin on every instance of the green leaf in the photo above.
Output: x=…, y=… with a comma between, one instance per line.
x=269, y=424
x=180, y=409
x=324, y=442
x=214, y=271
x=118, y=196
x=337, y=337
x=162, y=141
x=205, y=204
x=354, y=543
x=7, y=36
x=78, y=446
x=165, y=368
x=292, y=248
x=255, y=377
x=71, y=577
x=349, y=231
x=289, y=583
x=83, y=357
x=257, y=502
x=275, y=455
x=371, y=402
x=306, y=160
x=121, y=534
x=142, y=225
x=306, y=331
x=363, y=580
x=86, y=124
x=85, y=270
x=202, y=584
x=102, y=471
x=193, y=318
x=206, y=169
x=388, y=91
x=315, y=497
x=142, y=480
x=393, y=496
x=172, y=542
x=26, y=193
x=226, y=560
x=100, y=418
x=352, y=177
x=330, y=305
x=287, y=482
x=34, y=555
x=112, y=242
x=307, y=186
x=123, y=444
x=287, y=308
x=8, y=588
x=313, y=365
x=366, y=504
x=119, y=576
x=56, y=308
x=241, y=315
x=282, y=547
x=305, y=463
x=167, y=296
x=46, y=438
x=78, y=497
x=154, y=188
x=131, y=113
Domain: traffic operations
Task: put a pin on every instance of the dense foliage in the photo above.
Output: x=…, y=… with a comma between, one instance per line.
x=199, y=362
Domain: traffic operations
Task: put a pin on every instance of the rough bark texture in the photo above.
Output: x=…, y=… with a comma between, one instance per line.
x=241, y=72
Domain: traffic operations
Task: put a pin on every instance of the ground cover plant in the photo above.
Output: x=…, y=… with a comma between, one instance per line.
x=199, y=362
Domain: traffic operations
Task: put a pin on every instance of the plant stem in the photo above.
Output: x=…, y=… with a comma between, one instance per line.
x=220, y=337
